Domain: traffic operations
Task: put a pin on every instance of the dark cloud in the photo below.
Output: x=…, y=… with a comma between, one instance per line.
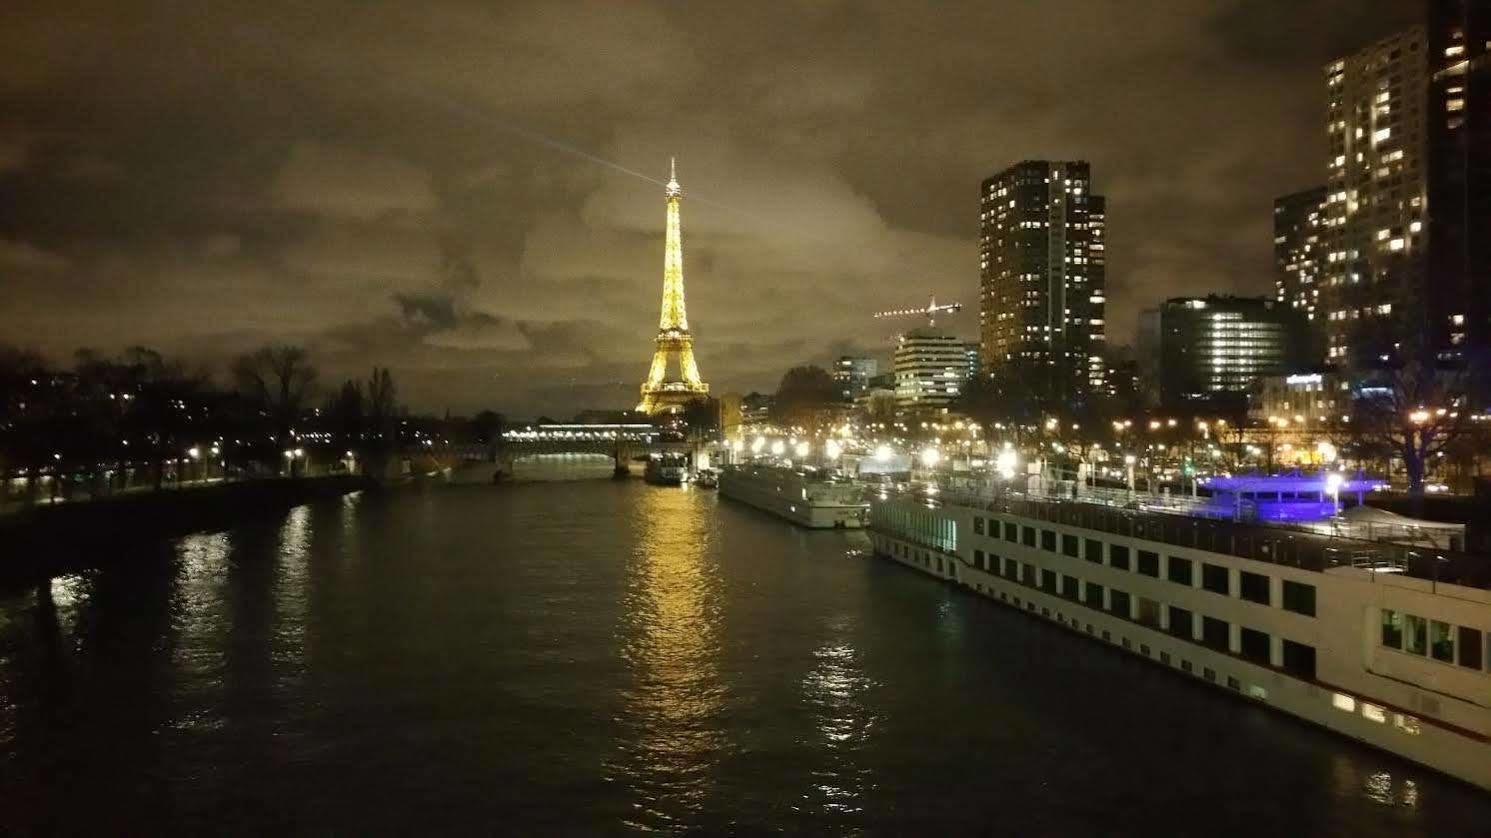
x=417, y=185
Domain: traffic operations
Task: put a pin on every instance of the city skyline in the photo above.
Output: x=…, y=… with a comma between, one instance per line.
x=411, y=189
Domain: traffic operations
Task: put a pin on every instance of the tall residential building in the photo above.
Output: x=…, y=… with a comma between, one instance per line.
x=1375, y=234
x=1214, y=349
x=1299, y=249
x=1459, y=188
x=854, y=374
x=1042, y=275
x=931, y=368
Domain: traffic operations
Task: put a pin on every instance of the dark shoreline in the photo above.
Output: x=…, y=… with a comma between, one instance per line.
x=45, y=540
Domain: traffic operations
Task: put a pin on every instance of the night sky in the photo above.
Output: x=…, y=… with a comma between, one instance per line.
x=408, y=184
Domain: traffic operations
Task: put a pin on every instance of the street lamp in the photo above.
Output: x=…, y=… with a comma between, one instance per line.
x=1333, y=483
x=931, y=457
x=1005, y=463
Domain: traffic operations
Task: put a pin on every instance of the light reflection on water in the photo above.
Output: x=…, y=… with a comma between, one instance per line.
x=670, y=641
x=567, y=659
x=836, y=691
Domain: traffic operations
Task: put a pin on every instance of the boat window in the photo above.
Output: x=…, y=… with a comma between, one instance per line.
x=1441, y=641
x=1392, y=629
x=1214, y=579
x=1093, y=595
x=1028, y=536
x=1070, y=545
x=1215, y=633
x=1299, y=598
x=1470, y=648
x=1149, y=563
x=1119, y=604
x=1299, y=660
x=1071, y=587
x=1178, y=570
x=1253, y=587
x=1011, y=532
x=1048, y=540
x=978, y=525
x=1255, y=646
x=1094, y=551
x=1416, y=634
x=1118, y=556
x=1182, y=623
x=1048, y=580
x=1149, y=612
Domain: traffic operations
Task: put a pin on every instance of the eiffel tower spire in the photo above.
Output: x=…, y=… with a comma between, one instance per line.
x=661, y=393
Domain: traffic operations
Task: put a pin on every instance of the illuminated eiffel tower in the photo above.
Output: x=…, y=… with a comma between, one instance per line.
x=661, y=393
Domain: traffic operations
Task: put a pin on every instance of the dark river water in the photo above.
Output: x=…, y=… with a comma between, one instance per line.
x=595, y=657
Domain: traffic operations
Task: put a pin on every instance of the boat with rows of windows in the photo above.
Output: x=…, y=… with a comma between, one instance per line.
x=1377, y=630
x=805, y=496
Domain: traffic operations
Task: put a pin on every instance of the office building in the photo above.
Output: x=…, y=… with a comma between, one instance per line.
x=1312, y=399
x=1042, y=276
x=931, y=369
x=853, y=374
x=1212, y=350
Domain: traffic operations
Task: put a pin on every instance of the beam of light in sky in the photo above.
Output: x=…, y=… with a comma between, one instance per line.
x=373, y=77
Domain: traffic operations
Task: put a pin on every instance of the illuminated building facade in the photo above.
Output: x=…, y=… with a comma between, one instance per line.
x=854, y=374
x=1042, y=270
x=931, y=368
x=1459, y=137
x=660, y=392
x=1375, y=219
x=1212, y=350
x=1306, y=400
x=1299, y=249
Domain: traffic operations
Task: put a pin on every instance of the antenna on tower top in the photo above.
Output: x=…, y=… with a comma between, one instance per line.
x=672, y=168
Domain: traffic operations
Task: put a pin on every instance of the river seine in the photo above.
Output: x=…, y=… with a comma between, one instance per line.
x=599, y=657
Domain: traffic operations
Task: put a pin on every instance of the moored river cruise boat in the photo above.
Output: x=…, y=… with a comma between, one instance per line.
x=1379, y=633
x=807, y=497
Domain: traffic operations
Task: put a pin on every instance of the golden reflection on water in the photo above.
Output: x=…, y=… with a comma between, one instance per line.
x=836, y=691
x=1380, y=787
x=671, y=643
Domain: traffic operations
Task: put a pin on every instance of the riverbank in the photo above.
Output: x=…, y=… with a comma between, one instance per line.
x=47, y=539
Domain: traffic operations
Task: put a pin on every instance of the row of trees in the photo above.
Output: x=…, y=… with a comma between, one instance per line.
x=104, y=418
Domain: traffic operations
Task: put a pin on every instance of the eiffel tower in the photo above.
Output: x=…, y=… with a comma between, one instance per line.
x=661, y=393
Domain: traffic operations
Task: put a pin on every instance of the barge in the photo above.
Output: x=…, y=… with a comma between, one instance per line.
x=1372, y=634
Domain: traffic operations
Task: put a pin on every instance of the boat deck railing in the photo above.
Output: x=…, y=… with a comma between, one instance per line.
x=1189, y=522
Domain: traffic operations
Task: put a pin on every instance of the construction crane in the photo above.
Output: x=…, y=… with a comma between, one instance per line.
x=931, y=311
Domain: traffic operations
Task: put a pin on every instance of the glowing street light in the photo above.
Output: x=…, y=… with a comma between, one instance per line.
x=778, y=448
x=832, y=449
x=758, y=444
x=1333, y=483
x=802, y=449
x=1005, y=463
x=931, y=457
x=883, y=453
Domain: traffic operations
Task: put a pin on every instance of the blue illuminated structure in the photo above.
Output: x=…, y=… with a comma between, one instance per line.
x=1286, y=497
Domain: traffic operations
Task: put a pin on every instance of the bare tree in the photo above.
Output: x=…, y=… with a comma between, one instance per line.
x=281, y=380
x=1415, y=411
